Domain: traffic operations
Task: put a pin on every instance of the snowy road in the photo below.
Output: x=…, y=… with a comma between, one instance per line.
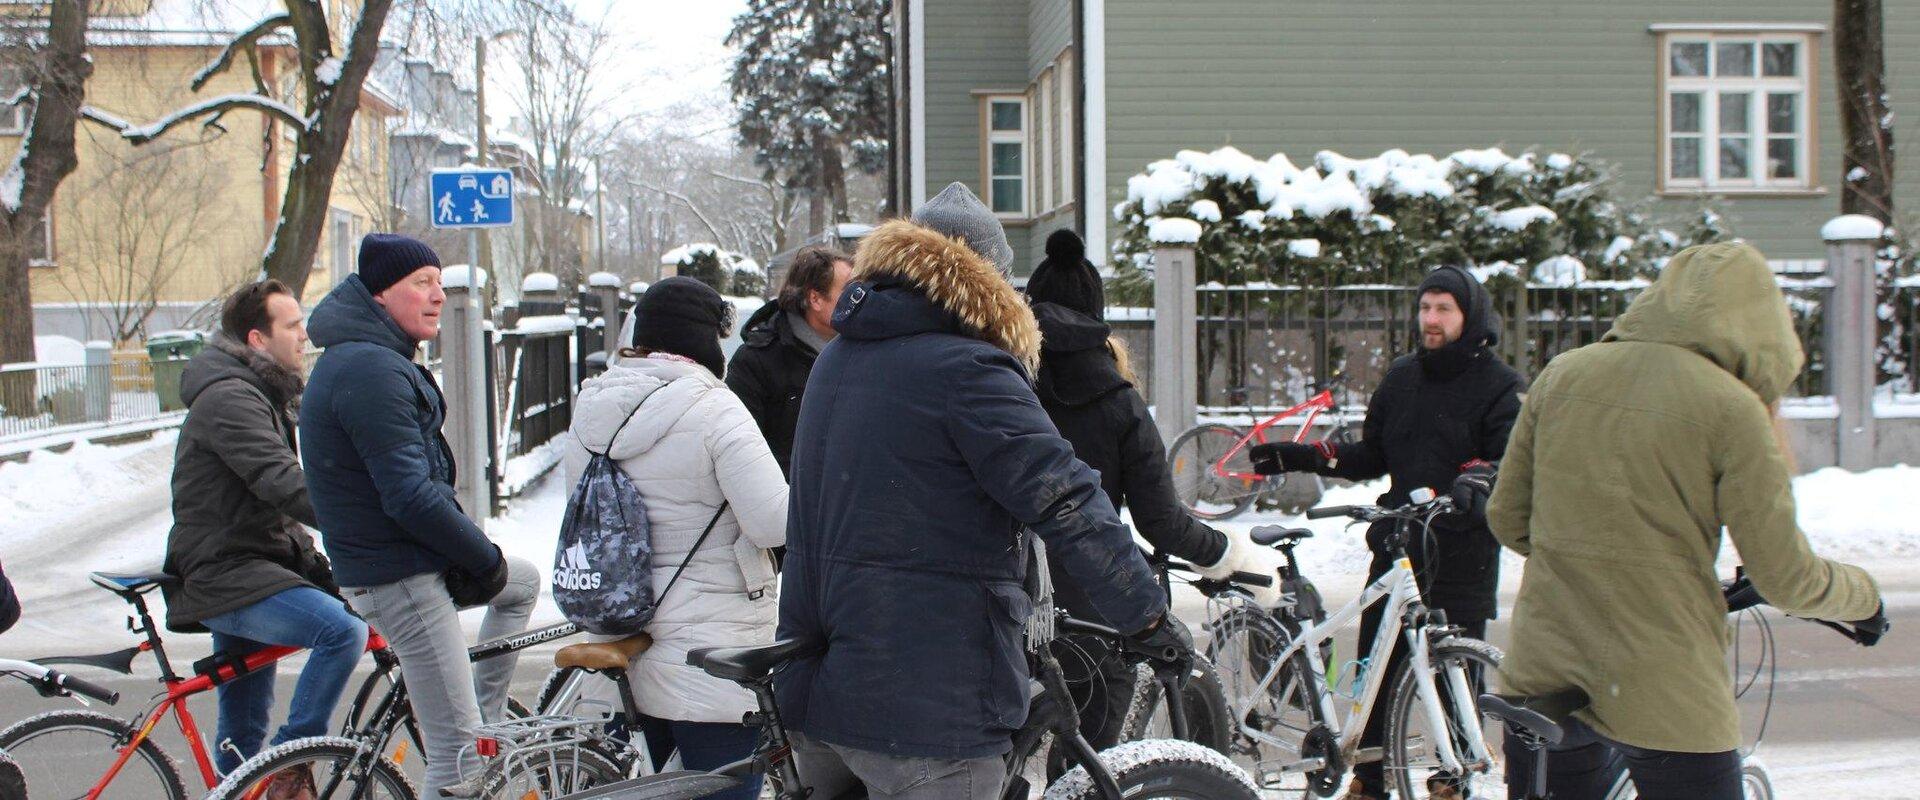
x=1845, y=720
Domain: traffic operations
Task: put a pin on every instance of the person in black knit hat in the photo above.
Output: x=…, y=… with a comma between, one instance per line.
x=684, y=317
x=1088, y=391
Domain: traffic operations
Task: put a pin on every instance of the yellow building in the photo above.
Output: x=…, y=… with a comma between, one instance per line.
x=169, y=226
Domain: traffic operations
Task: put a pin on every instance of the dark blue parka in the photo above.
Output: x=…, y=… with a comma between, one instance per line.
x=379, y=473
x=921, y=453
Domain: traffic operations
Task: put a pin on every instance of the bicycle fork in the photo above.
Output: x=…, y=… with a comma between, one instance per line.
x=1464, y=710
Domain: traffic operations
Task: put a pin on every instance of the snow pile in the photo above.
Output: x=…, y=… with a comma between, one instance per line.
x=58, y=350
x=685, y=255
x=463, y=276
x=544, y=323
x=1847, y=227
x=1516, y=219
x=1174, y=230
x=328, y=72
x=1560, y=271
x=540, y=282
x=606, y=279
x=1304, y=248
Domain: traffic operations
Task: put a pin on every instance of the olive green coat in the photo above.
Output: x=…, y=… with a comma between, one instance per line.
x=1629, y=458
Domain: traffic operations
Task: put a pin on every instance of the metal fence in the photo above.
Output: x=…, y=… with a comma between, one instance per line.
x=1268, y=345
x=38, y=399
x=535, y=399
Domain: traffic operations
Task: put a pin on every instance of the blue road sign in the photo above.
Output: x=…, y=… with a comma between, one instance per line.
x=472, y=197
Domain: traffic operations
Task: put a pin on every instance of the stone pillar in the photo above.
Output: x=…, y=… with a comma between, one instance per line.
x=99, y=381
x=604, y=287
x=1851, y=325
x=463, y=375
x=1176, y=373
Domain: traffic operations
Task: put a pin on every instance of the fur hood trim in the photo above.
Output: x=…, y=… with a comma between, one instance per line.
x=956, y=279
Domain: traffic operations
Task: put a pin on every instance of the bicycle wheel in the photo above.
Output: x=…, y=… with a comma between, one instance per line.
x=1205, y=492
x=402, y=742
x=1412, y=760
x=1209, y=720
x=1755, y=783
x=1243, y=647
x=554, y=773
x=66, y=753
x=336, y=767
x=1161, y=769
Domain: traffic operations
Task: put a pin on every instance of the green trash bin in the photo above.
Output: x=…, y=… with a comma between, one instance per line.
x=169, y=353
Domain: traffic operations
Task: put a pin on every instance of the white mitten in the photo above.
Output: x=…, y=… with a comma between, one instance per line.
x=1244, y=555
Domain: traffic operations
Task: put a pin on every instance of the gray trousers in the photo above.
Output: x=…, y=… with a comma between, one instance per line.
x=449, y=694
x=830, y=770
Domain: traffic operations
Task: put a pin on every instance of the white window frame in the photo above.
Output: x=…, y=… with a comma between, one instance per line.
x=1044, y=130
x=342, y=257
x=1021, y=137
x=14, y=119
x=1709, y=87
x=48, y=256
x=1063, y=72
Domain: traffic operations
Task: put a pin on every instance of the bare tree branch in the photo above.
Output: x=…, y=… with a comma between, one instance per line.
x=246, y=42
x=691, y=206
x=214, y=106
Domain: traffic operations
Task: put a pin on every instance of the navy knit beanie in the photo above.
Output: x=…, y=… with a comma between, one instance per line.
x=386, y=258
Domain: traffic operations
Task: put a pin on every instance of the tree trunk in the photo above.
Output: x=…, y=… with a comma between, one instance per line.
x=833, y=173
x=816, y=210
x=1866, y=124
x=46, y=158
x=317, y=154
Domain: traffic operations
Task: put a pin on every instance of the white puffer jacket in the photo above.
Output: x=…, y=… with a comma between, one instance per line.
x=690, y=446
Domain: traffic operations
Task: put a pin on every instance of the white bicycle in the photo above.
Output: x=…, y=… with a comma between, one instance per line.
x=1289, y=713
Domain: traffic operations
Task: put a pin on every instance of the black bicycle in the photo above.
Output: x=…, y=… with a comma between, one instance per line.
x=1538, y=722
x=1143, y=770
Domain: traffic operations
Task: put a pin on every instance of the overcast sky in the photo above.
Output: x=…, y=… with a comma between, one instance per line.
x=669, y=52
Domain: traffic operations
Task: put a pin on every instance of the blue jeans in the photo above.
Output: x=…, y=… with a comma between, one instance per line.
x=299, y=617
x=704, y=746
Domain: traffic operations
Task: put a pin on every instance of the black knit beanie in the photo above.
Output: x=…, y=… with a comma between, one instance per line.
x=682, y=316
x=1067, y=278
x=386, y=258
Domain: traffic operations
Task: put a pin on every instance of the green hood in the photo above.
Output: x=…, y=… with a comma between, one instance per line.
x=1721, y=301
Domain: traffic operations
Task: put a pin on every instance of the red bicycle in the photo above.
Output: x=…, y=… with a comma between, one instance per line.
x=1213, y=472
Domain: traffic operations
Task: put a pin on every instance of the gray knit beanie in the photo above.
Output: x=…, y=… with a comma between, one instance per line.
x=956, y=212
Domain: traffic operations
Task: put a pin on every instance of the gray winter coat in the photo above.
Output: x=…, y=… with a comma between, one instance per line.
x=239, y=498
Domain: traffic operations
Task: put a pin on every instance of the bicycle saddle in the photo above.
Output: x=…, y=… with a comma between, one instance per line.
x=138, y=582
x=1541, y=716
x=602, y=655
x=746, y=664
x=1270, y=535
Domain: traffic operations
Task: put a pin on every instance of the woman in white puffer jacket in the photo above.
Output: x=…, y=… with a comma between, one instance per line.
x=689, y=447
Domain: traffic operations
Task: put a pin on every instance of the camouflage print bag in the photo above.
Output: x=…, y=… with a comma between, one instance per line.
x=602, y=579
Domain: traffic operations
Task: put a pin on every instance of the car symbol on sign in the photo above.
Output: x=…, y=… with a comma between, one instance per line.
x=469, y=182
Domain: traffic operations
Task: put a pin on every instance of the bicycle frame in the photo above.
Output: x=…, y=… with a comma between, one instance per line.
x=1313, y=407
x=1405, y=612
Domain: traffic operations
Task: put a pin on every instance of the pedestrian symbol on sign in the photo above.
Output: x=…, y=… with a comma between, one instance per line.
x=471, y=197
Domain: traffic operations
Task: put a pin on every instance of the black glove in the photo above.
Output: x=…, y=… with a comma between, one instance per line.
x=1868, y=631
x=469, y=590
x=1471, y=489
x=1171, y=645
x=1278, y=457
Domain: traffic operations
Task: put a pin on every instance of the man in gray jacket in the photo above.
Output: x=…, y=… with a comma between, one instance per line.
x=248, y=571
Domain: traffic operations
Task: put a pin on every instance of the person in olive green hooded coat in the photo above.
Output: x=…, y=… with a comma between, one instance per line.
x=1629, y=458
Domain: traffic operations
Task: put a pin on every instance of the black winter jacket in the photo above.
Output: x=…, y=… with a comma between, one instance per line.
x=239, y=497
x=1433, y=412
x=1100, y=412
x=769, y=375
x=380, y=472
x=922, y=453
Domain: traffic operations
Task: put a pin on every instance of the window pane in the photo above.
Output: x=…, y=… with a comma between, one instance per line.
x=1734, y=155
x=1687, y=59
x=1783, y=113
x=1006, y=159
x=1780, y=59
x=1006, y=116
x=1006, y=195
x=1735, y=110
x=1783, y=158
x=1685, y=112
x=1733, y=59
x=1686, y=158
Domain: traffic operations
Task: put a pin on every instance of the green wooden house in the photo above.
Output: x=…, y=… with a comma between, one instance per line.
x=1046, y=107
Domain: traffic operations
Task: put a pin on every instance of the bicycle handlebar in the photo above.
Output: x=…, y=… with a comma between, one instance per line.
x=84, y=687
x=1236, y=579
x=1741, y=595
x=51, y=682
x=1424, y=503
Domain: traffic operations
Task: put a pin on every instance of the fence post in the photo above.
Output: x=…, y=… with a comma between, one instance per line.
x=99, y=381
x=606, y=290
x=463, y=370
x=1850, y=327
x=1176, y=372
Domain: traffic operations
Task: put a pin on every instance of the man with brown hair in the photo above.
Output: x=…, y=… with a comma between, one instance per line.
x=781, y=340
x=248, y=571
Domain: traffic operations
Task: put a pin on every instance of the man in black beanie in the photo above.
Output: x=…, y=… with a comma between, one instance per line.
x=1439, y=420
x=380, y=476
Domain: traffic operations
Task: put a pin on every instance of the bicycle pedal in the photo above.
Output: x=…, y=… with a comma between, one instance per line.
x=1369, y=755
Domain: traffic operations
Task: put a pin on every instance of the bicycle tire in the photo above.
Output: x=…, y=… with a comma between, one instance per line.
x=1209, y=718
x=330, y=758
x=1190, y=461
x=555, y=773
x=402, y=738
x=1161, y=769
x=54, y=779
x=1401, y=712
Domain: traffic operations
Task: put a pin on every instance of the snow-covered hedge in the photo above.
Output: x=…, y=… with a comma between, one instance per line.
x=1387, y=219
x=727, y=272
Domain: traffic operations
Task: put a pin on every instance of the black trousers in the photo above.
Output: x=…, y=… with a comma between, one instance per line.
x=1586, y=766
x=1372, y=775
